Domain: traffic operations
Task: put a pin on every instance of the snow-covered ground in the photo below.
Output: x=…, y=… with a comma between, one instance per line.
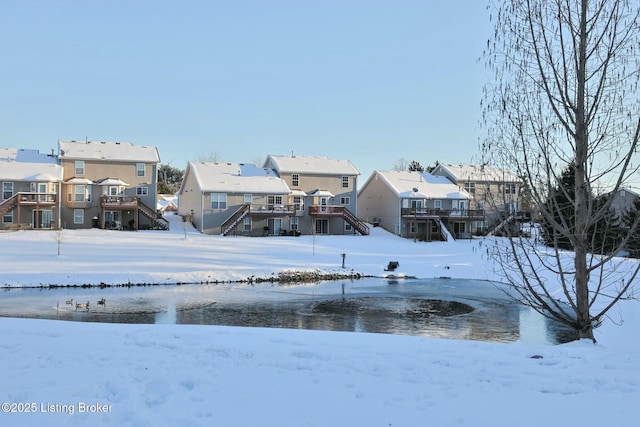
x=67, y=373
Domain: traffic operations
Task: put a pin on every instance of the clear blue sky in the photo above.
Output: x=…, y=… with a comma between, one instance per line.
x=370, y=81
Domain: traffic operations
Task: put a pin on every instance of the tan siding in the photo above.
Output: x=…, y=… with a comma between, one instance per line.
x=377, y=200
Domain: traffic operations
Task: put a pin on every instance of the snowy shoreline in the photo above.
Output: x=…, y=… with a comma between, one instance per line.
x=201, y=375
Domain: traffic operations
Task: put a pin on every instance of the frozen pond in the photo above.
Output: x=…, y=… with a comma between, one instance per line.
x=445, y=308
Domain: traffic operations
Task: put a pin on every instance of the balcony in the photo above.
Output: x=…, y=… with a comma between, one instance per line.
x=37, y=199
x=119, y=202
x=272, y=209
x=326, y=210
x=432, y=213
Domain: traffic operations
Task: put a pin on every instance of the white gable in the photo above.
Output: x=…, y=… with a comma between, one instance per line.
x=237, y=178
x=311, y=165
x=116, y=151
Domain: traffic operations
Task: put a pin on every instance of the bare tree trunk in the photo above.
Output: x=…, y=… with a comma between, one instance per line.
x=581, y=207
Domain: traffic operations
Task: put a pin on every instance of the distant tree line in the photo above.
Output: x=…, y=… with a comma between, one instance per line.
x=604, y=235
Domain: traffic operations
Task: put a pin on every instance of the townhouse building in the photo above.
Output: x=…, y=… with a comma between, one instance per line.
x=286, y=196
x=495, y=191
x=30, y=189
x=109, y=185
x=417, y=205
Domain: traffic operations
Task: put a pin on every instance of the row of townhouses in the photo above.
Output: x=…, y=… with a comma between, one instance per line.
x=112, y=185
x=87, y=184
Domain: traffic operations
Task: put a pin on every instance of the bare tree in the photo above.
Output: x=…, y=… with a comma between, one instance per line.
x=212, y=157
x=566, y=93
x=401, y=164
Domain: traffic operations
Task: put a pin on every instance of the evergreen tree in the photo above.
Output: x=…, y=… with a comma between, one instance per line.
x=602, y=236
x=628, y=219
x=169, y=179
x=415, y=166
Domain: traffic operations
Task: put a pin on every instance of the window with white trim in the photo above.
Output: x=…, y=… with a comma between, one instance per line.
x=218, y=200
x=79, y=167
x=437, y=204
x=345, y=200
x=7, y=190
x=470, y=187
x=246, y=223
x=142, y=191
x=78, y=216
x=295, y=180
x=82, y=193
x=140, y=167
x=274, y=200
x=8, y=218
x=345, y=182
x=248, y=198
x=510, y=188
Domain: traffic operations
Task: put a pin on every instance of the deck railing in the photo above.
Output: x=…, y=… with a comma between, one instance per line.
x=442, y=213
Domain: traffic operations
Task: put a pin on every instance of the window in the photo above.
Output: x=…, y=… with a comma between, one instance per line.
x=437, y=204
x=7, y=190
x=78, y=216
x=470, y=187
x=295, y=180
x=274, y=200
x=294, y=223
x=8, y=218
x=142, y=191
x=297, y=203
x=347, y=227
x=412, y=227
x=79, y=167
x=218, y=200
x=510, y=188
x=481, y=204
x=82, y=193
x=345, y=182
x=247, y=199
x=246, y=222
x=345, y=200
x=140, y=169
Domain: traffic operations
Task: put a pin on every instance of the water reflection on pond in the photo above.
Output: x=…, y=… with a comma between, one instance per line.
x=458, y=309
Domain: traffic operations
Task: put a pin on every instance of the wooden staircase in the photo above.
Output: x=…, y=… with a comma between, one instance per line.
x=8, y=205
x=359, y=225
x=157, y=221
x=234, y=219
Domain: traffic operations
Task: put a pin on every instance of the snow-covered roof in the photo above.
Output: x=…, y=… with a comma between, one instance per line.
x=310, y=165
x=100, y=150
x=26, y=155
x=112, y=182
x=421, y=185
x=167, y=202
x=464, y=172
x=237, y=177
x=34, y=172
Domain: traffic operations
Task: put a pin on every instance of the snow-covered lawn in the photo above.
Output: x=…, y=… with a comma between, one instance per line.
x=69, y=373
